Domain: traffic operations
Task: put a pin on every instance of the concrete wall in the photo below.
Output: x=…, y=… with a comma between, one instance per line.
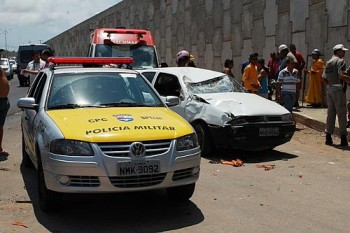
x=213, y=30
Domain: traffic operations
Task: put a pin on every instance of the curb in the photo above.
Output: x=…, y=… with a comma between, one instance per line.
x=315, y=124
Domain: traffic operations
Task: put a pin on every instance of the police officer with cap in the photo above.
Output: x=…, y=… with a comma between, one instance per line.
x=336, y=79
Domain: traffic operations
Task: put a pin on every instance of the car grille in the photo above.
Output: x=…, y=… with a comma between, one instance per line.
x=84, y=181
x=121, y=149
x=137, y=181
x=263, y=119
x=183, y=174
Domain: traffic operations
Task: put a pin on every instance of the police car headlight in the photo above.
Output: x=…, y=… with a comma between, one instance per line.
x=287, y=117
x=71, y=148
x=187, y=142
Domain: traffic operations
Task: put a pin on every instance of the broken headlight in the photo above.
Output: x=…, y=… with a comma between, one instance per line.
x=287, y=117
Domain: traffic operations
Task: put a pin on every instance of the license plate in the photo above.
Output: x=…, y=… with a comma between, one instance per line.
x=268, y=132
x=138, y=168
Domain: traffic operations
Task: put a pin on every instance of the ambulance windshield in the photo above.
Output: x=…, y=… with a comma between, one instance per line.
x=144, y=55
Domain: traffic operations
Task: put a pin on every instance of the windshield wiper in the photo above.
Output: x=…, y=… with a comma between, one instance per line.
x=125, y=104
x=73, y=106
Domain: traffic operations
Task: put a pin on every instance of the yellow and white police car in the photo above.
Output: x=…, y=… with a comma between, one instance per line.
x=102, y=129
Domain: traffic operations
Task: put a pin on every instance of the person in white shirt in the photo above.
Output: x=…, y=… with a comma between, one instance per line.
x=34, y=66
x=286, y=84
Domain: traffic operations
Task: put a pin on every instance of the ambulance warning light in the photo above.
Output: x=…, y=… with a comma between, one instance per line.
x=91, y=60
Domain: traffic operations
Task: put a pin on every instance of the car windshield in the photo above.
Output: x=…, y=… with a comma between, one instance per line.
x=106, y=89
x=4, y=63
x=220, y=84
x=144, y=55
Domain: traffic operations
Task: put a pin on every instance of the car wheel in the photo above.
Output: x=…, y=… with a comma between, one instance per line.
x=26, y=161
x=204, y=138
x=48, y=200
x=181, y=193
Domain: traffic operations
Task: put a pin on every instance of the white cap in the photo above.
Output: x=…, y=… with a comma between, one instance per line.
x=339, y=46
x=282, y=47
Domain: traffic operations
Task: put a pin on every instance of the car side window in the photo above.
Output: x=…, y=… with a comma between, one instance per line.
x=149, y=76
x=167, y=85
x=39, y=86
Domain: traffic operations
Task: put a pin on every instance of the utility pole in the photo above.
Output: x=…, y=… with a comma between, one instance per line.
x=5, y=31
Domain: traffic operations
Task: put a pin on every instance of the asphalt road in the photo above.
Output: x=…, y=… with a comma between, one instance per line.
x=306, y=191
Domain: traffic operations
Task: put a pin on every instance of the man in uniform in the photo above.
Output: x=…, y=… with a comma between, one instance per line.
x=336, y=80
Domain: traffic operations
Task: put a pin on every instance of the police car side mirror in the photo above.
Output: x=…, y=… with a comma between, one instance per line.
x=27, y=103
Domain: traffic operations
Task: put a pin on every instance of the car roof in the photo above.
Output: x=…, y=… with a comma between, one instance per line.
x=193, y=74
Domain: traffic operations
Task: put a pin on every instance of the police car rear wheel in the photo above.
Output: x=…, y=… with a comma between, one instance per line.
x=181, y=193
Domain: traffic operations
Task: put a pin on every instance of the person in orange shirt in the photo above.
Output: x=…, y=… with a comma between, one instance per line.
x=314, y=94
x=250, y=74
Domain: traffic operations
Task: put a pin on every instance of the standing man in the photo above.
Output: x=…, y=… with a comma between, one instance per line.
x=4, y=107
x=34, y=66
x=250, y=74
x=182, y=58
x=336, y=81
x=286, y=84
x=300, y=65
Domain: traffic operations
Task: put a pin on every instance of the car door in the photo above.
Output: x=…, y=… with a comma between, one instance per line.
x=168, y=84
x=29, y=123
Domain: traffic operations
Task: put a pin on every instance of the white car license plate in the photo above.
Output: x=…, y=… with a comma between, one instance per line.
x=268, y=132
x=135, y=168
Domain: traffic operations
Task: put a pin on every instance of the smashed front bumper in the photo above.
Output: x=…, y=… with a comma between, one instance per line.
x=252, y=137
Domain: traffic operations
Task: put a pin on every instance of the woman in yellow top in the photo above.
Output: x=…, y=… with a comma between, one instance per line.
x=314, y=94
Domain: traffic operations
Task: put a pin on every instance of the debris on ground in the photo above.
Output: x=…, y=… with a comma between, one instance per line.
x=266, y=167
x=18, y=223
x=235, y=163
x=300, y=175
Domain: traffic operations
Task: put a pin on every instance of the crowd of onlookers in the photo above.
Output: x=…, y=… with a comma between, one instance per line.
x=286, y=68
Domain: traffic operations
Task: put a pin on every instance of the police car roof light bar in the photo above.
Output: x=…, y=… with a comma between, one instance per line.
x=91, y=60
x=125, y=31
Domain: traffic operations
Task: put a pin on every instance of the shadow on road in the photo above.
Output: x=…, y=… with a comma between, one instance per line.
x=149, y=211
x=251, y=156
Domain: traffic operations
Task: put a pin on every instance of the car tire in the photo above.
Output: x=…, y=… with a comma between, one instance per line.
x=26, y=161
x=48, y=200
x=181, y=193
x=204, y=138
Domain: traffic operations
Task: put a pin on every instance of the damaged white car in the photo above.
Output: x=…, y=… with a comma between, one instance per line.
x=221, y=111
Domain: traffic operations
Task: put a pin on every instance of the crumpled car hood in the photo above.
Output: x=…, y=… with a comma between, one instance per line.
x=243, y=104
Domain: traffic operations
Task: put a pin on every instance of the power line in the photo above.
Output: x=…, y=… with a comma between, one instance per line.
x=5, y=31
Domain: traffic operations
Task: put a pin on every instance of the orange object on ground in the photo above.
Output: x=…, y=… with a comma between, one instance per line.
x=266, y=167
x=235, y=163
x=17, y=223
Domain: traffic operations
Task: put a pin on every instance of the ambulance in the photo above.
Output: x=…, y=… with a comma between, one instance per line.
x=121, y=42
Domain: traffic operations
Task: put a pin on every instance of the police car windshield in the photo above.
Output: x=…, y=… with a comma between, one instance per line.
x=144, y=55
x=220, y=84
x=105, y=89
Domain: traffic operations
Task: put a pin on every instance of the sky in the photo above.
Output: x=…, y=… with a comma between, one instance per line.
x=36, y=21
